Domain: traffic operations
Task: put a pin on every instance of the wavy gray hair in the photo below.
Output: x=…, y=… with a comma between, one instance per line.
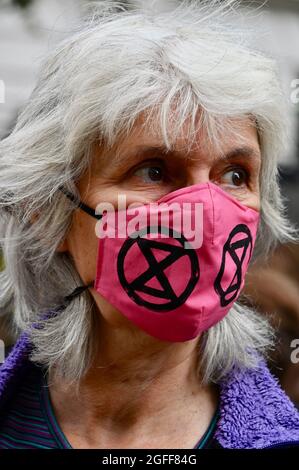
x=93, y=87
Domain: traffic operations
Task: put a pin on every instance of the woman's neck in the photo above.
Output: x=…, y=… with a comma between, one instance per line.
x=138, y=391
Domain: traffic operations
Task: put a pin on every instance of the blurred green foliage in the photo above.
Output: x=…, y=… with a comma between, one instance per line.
x=22, y=3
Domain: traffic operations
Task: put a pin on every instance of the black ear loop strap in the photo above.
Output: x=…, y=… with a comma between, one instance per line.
x=81, y=205
x=68, y=298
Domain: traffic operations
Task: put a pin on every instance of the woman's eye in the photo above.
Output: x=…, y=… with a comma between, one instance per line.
x=150, y=174
x=236, y=177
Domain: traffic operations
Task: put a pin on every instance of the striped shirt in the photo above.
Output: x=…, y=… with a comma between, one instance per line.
x=29, y=422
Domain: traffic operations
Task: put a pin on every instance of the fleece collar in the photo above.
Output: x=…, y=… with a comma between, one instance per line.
x=254, y=411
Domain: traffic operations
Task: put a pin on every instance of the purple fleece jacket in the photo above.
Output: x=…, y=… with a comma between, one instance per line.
x=254, y=411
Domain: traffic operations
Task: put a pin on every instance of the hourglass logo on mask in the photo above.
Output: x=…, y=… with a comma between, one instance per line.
x=159, y=218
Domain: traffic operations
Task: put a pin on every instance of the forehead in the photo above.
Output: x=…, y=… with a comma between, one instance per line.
x=234, y=134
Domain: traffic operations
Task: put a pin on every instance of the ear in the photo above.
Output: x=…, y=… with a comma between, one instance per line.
x=62, y=247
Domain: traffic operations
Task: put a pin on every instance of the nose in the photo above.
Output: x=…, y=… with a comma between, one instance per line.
x=198, y=175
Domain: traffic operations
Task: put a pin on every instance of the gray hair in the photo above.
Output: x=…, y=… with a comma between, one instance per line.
x=93, y=87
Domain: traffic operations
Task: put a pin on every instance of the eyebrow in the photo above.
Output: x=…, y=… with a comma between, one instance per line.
x=143, y=152
x=146, y=151
x=245, y=151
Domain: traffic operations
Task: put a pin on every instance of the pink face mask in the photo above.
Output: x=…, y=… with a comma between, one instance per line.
x=163, y=282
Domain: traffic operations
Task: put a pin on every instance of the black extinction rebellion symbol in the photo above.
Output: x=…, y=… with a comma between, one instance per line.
x=156, y=269
x=228, y=294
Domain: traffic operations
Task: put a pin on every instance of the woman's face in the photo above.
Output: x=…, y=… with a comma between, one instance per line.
x=143, y=171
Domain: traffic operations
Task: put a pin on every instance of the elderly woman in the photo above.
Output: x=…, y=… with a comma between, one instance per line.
x=133, y=334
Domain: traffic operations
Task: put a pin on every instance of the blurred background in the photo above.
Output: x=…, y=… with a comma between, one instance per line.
x=28, y=28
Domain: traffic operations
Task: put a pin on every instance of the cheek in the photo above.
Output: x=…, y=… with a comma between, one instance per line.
x=253, y=201
x=83, y=247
